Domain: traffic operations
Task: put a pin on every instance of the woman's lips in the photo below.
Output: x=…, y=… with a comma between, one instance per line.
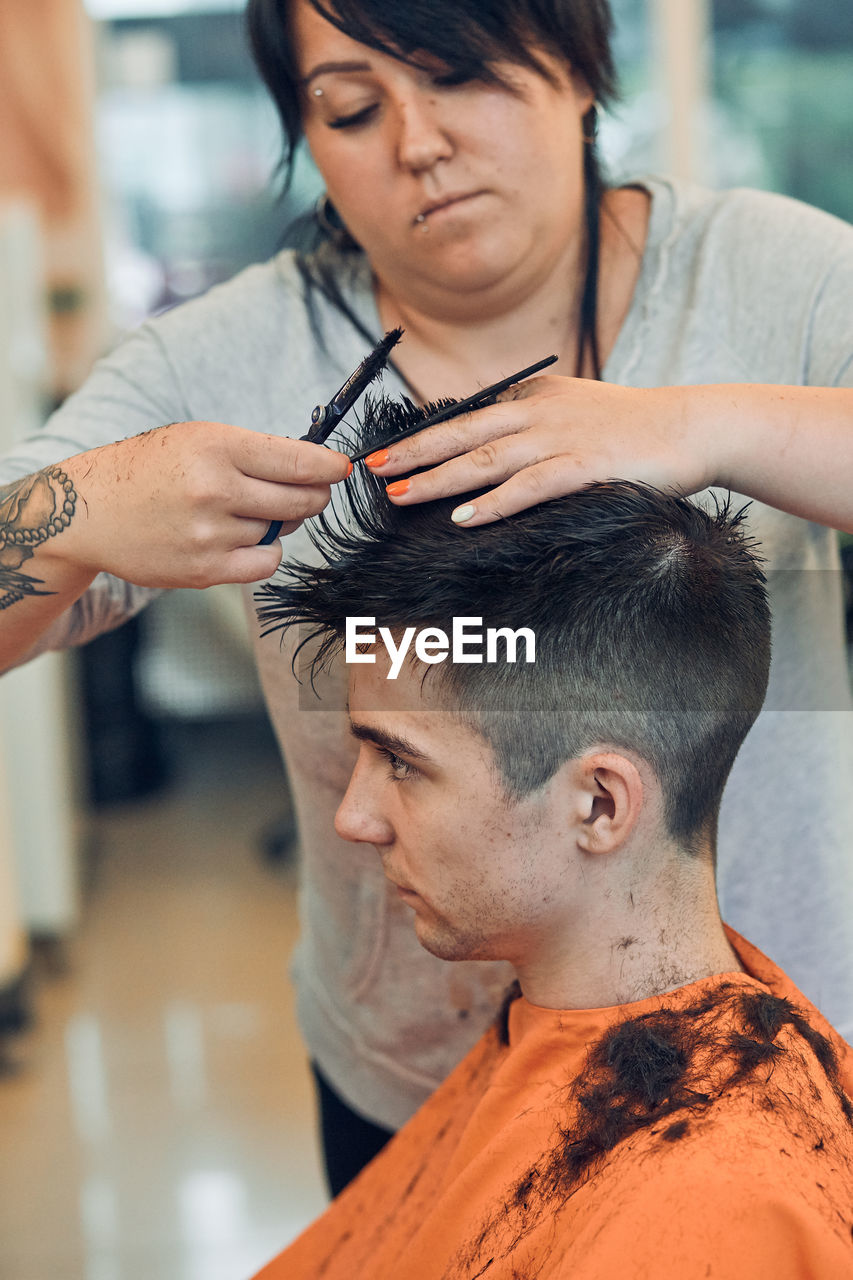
x=446, y=204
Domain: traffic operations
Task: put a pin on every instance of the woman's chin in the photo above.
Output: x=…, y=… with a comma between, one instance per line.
x=477, y=265
x=491, y=268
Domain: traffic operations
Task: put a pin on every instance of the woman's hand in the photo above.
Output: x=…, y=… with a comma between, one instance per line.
x=185, y=505
x=548, y=437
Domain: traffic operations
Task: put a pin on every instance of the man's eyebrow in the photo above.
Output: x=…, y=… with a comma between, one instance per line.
x=389, y=741
x=326, y=68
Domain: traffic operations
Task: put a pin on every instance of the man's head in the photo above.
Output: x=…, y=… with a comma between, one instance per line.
x=652, y=647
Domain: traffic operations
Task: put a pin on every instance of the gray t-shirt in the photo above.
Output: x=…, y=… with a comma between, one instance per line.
x=734, y=287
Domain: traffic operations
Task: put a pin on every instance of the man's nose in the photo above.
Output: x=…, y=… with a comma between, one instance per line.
x=422, y=137
x=359, y=816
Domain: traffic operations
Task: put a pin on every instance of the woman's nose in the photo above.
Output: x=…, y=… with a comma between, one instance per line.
x=422, y=138
x=359, y=817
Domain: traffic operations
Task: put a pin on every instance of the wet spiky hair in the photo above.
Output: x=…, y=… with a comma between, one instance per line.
x=650, y=615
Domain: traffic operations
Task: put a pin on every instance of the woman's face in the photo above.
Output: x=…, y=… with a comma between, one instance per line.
x=454, y=187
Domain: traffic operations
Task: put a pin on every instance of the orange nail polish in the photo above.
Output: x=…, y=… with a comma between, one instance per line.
x=398, y=488
x=377, y=459
x=349, y=471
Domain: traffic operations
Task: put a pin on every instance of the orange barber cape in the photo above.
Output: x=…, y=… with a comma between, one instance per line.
x=703, y=1133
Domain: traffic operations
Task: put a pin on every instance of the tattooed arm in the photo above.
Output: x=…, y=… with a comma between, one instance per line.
x=181, y=506
x=32, y=510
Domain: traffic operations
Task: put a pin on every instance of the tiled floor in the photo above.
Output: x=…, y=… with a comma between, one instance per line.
x=158, y=1122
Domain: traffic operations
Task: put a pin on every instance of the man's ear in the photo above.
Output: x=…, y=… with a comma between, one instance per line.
x=611, y=798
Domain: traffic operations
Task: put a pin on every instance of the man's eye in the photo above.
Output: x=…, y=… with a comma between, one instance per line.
x=354, y=119
x=399, y=768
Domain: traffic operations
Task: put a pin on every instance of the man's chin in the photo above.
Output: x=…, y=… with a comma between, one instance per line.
x=445, y=945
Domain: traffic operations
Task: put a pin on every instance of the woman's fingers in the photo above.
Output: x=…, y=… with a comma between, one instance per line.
x=490, y=463
x=284, y=461
x=468, y=431
x=262, y=500
x=173, y=506
x=254, y=564
x=545, y=440
x=446, y=440
x=527, y=488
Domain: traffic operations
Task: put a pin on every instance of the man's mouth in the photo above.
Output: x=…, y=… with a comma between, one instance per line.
x=391, y=878
x=403, y=890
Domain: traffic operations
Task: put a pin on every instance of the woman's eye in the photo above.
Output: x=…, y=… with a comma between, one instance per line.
x=354, y=118
x=452, y=79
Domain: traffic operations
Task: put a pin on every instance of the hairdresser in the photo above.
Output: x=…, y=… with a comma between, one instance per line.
x=465, y=203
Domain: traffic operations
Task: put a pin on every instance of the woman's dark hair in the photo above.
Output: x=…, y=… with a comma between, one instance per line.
x=650, y=616
x=468, y=37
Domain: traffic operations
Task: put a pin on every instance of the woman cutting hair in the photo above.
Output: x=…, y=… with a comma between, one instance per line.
x=703, y=340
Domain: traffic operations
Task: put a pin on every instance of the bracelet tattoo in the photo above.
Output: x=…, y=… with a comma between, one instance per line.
x=32, y=509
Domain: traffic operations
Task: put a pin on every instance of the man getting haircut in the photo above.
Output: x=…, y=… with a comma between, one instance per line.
x=657, y=1098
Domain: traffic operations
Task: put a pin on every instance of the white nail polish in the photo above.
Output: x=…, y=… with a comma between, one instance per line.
x=461, y=514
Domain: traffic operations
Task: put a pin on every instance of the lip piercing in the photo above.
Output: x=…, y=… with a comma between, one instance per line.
x=421, y=217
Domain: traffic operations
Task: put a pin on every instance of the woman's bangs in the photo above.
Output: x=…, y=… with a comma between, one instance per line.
x=457, y=37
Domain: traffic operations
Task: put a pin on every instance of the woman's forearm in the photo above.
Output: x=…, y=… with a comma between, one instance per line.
x=37, y=583
x=185, y=505
x=790, y=447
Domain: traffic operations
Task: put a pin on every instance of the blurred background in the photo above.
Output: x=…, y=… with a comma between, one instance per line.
x=155, y=1106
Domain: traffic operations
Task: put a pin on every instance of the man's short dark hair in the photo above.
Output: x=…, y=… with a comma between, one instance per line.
x=649, y=611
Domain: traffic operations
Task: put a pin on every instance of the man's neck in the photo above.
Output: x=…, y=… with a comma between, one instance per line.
x=639, y=941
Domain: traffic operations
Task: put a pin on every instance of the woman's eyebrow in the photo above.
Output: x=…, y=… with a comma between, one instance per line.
x=325, y=68
x=389, y=741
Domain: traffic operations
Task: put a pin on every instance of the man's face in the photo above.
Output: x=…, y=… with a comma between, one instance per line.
x=486, y=877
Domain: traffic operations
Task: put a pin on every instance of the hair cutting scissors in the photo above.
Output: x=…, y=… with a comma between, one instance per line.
x=478, y=400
